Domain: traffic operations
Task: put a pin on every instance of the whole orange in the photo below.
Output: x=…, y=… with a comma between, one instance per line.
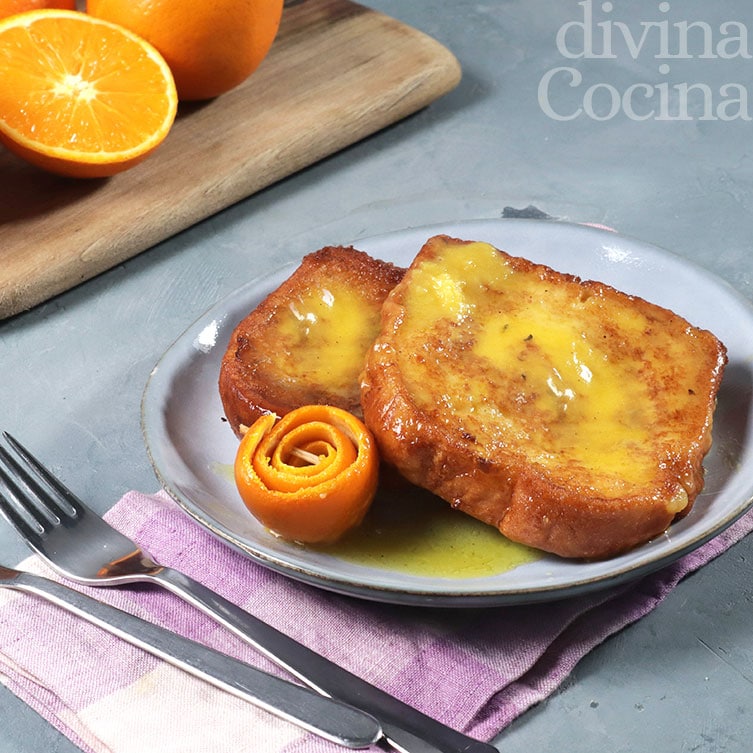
x=211, y=46
x=11, y=7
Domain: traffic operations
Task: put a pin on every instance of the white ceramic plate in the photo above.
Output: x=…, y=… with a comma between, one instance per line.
x=188, y=440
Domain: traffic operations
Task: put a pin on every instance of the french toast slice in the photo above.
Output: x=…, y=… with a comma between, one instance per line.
x=306, y=341
x=571, y=416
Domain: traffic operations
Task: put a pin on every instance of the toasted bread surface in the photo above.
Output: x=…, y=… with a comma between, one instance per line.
x=306, y=341
x=571, y=416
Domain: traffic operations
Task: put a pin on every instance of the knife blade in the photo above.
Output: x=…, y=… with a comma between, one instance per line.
x=331, y=719
x=406, y=728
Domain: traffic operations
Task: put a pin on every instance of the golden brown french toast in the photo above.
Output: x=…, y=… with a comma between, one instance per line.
x=572, y=417
x=306, y=341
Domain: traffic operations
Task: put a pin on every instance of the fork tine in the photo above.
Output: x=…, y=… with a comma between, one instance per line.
x=25, y=490
x=25, y=494
x=28, y=532
x=41, y=472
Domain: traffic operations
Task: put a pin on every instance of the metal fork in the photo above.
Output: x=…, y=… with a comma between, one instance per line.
x=83, y=547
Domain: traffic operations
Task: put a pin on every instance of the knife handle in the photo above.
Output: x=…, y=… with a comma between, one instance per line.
x=404, y=726
x=331, y=719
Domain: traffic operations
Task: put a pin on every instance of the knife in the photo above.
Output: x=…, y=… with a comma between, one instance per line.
x=331, y=719
x=405, y=728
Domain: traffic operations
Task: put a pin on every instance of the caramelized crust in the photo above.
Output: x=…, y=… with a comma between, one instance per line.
x=306, y=342
x=571, y=416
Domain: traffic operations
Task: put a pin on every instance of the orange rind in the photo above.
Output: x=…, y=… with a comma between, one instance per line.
x=309, y=477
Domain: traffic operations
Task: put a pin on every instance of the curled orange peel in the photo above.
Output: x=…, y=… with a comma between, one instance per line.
x=309, y=476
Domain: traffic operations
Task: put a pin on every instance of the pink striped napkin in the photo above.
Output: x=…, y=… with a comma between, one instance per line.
x=474, y=669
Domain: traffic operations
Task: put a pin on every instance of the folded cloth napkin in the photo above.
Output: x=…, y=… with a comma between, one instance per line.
x=474, y=669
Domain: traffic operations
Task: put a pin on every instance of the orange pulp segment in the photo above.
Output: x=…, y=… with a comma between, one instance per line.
x=80, y=96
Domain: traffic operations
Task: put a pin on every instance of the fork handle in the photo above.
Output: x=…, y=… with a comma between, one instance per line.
x=403, y=726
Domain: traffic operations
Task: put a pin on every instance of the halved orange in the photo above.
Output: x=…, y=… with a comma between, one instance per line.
x=80, y=96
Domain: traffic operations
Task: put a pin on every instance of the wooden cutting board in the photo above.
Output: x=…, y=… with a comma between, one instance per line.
x=337, y=73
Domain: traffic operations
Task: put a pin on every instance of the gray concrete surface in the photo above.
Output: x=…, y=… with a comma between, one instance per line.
x=511, y=135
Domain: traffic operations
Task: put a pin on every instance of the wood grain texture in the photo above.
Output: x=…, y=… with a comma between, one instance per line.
x=337, y=73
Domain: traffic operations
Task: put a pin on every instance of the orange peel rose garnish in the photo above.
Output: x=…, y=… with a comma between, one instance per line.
x=309, y=476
